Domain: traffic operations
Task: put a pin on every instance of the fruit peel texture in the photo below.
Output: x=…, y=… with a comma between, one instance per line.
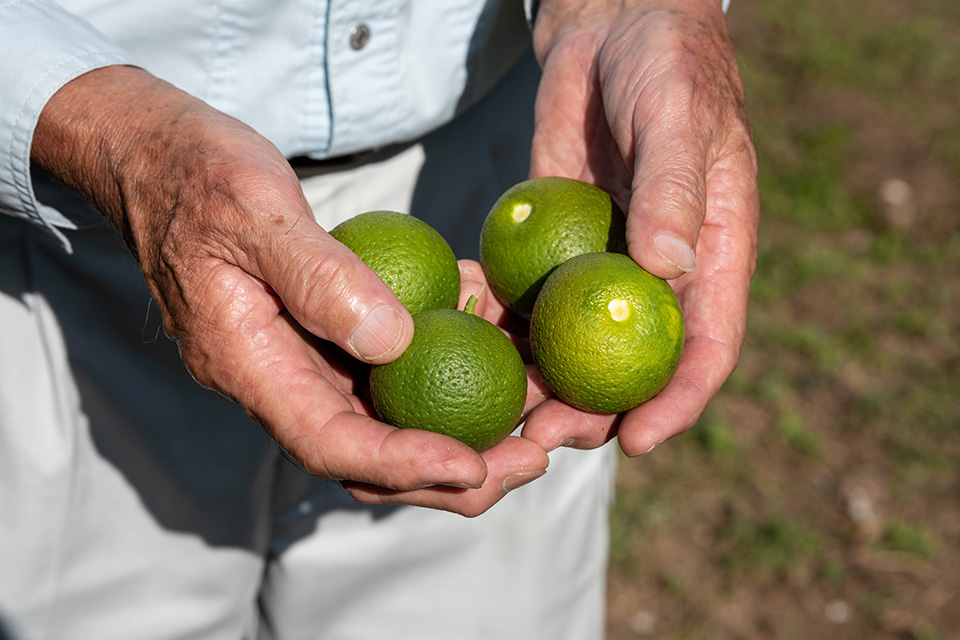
x=410, y=256
x=566, y=218
x=460, y=376
x=588, y=358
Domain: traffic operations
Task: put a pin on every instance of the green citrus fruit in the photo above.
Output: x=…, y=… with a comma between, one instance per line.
x=606, y=335
x=409, y=255
x=538, y=224
x=460, y=376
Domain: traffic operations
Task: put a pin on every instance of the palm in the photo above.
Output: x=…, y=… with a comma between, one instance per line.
x=272, y=346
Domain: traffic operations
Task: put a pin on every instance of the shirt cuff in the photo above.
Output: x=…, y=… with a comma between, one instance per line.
x=530, y=9
x=42, y=47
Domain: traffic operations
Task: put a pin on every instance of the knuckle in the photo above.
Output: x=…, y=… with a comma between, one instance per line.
x=678, y=191
x=325, y=286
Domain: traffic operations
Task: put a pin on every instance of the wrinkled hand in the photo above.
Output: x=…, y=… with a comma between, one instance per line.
x=266, y=307
x=644, y=99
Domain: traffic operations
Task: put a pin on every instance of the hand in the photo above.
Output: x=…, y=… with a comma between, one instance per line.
x=266, y=307
x=644, y=99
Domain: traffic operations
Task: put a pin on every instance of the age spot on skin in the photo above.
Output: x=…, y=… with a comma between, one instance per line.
x=619, y=309
x=521, y=212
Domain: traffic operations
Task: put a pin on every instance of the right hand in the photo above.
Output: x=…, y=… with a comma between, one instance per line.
x=266, y=307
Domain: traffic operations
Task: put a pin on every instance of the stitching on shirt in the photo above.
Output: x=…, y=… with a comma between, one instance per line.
x=318, y=67
x=350, y=125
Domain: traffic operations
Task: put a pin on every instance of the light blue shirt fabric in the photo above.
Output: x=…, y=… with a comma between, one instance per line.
x=291, y=69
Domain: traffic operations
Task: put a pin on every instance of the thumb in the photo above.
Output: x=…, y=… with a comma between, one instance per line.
x=668, y=204
x=334, y=295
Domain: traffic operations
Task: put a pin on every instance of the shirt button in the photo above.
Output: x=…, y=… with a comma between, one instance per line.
x=359, y=36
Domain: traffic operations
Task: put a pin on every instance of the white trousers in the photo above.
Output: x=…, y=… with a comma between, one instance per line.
x=136, y=505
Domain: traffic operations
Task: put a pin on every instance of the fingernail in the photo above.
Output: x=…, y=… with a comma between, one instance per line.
x=378, y=333
x=676, y=252
x=519, y=479
x=648, y=450
x=462, y=485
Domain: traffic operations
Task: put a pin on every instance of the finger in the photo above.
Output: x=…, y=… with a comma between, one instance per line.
x=669, y=188
x=319, y=427
x=470, y=288
x=470, y=270
x=504, y=320
x=473, y=278
x=358, y=448
x=537, y=393
x=332, y=293
x=263, y=362
x=703, y=368
x=555, y=424
x=714, y=301
x=510, y=465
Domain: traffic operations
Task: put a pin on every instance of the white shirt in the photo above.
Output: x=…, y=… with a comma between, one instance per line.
x=316, y=77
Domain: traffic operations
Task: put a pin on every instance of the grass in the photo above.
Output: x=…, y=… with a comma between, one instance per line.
x=910, y=538
x=769, y=544
x=851, y=367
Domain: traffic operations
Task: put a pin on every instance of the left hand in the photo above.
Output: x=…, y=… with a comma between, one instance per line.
x=644, y=99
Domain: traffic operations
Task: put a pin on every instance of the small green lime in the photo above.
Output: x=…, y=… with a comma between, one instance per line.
x=409, y=255
x=460, y=376
x=606, y=335
x=538, y=224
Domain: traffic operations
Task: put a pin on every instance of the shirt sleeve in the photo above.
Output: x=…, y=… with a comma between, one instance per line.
x=530, y=8
x=42, y=47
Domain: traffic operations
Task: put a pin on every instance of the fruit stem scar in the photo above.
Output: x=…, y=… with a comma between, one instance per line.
x=471, y=305
x=619, y=309
x=521, y=211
